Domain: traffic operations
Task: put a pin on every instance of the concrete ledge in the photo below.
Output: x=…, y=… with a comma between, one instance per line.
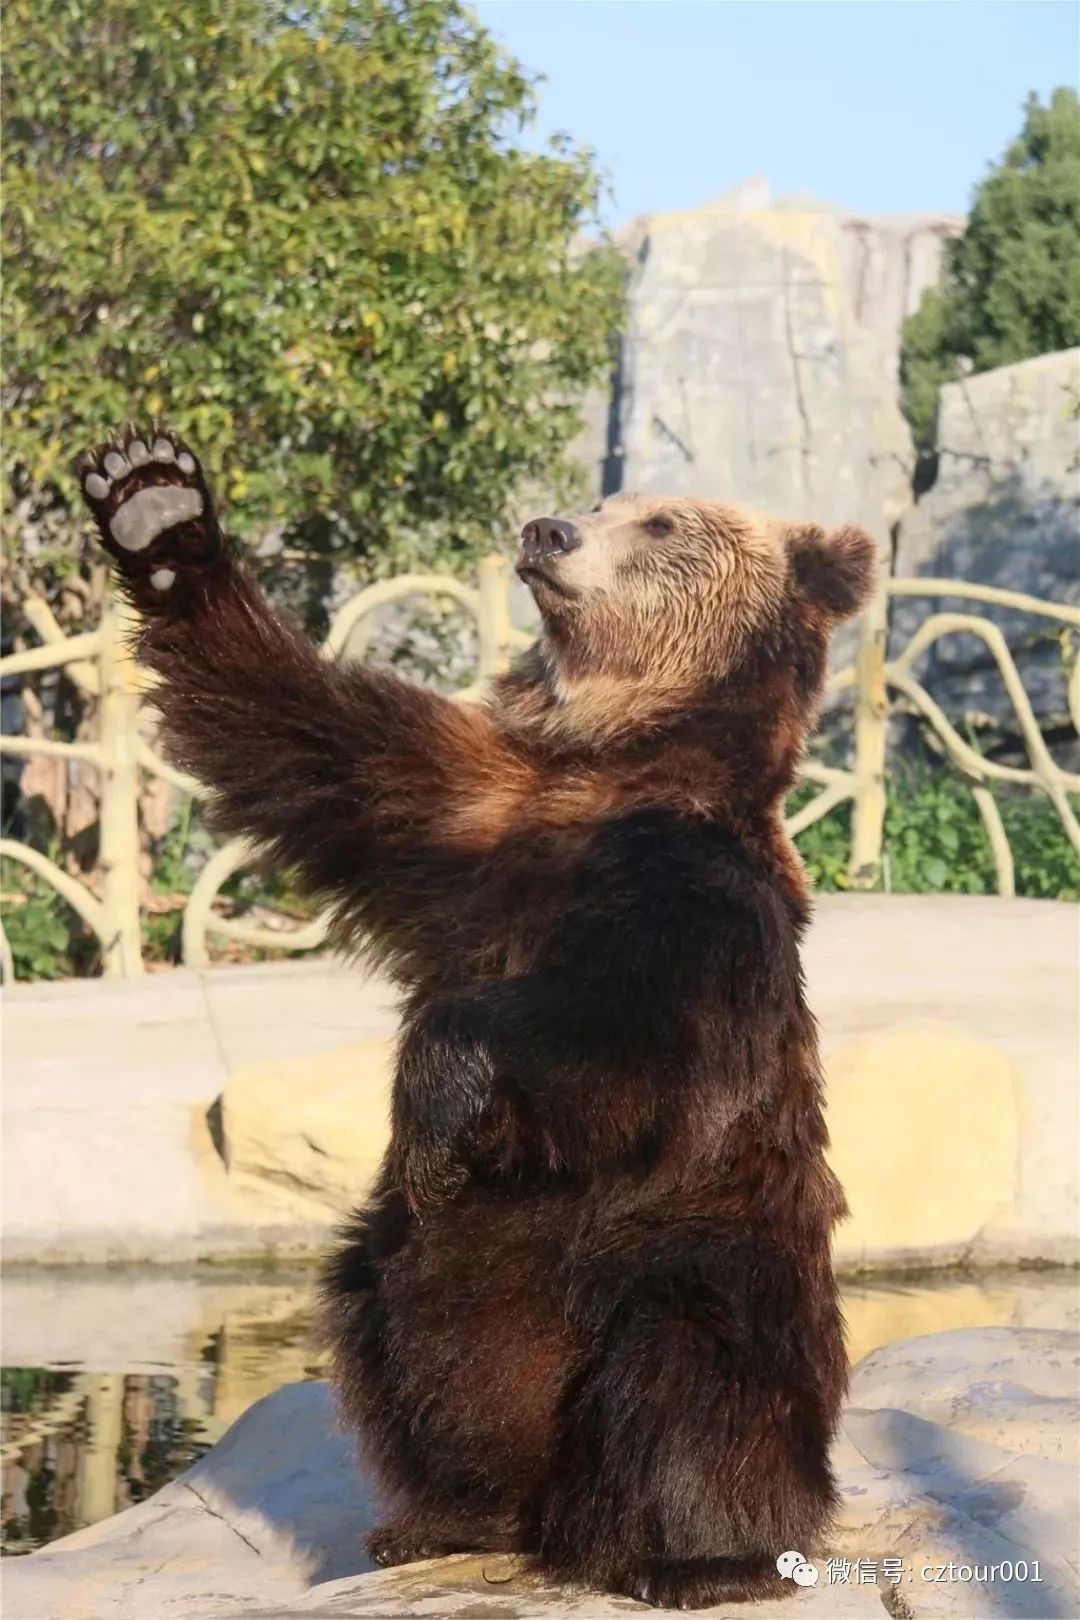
x=950, y=1028
x=108, y=1150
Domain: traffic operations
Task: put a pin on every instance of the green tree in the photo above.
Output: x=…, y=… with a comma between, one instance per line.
x=1012, y=281
x=306, y=236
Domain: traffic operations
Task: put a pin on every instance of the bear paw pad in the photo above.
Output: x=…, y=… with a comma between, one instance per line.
x=151, y=504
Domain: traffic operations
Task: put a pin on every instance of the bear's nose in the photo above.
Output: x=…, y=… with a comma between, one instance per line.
x=546, y=537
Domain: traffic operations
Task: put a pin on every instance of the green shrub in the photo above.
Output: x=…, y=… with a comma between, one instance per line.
x=935, y=843
x=47, y=939
x=1011, y=287
x=311, y=238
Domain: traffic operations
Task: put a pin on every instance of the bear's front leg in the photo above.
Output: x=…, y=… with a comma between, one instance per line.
x=444, y=1093
x=344, y=773
x=156, y=516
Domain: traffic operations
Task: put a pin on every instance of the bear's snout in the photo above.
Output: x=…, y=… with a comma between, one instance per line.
x=548, y=537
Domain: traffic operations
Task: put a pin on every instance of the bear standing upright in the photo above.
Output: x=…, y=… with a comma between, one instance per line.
x=588, y=1313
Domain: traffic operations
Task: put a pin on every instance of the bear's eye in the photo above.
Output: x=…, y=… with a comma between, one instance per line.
x=658, y=527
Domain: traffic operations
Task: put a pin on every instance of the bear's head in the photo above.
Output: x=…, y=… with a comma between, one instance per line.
x=647, y=596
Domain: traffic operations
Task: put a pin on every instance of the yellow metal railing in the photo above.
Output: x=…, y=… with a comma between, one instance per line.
x=874, y=675
x=99, y=665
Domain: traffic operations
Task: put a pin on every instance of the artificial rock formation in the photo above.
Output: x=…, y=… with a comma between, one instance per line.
x=760, y=358
x=760, y=364
x=1004, y=510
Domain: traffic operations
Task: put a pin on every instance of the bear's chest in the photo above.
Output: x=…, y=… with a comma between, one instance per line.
x=525, y=889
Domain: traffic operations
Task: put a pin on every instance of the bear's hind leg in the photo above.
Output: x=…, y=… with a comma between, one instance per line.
x=436, y=1506
x=693, y=1446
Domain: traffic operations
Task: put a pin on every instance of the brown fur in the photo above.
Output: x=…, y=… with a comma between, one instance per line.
x=588, y=1312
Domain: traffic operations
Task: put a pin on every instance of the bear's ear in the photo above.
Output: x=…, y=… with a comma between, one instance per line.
x=834, y=570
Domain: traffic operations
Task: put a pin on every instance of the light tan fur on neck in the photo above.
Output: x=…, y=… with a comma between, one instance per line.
x=597, y=708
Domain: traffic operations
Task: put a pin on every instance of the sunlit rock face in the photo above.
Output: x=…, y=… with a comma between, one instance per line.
x=760, y=358
x=759, y=362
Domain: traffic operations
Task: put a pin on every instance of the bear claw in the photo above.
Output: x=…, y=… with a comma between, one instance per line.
x=390, y=1546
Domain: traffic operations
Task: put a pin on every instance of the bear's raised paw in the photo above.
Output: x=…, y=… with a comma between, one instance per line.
x=154, y=511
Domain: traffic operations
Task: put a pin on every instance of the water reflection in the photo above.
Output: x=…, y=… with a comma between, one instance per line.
x=79, y=1446
x=187, y=1352
x=196, y=1351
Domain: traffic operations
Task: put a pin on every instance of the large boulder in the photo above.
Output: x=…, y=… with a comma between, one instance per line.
x=759, y=362
x=958, y=1458
x=954, y=1449
x=315, y=1129
x=277, y=1506
x=1005, y=511
x=760, y=358
x=745, y=375
x=889, y=260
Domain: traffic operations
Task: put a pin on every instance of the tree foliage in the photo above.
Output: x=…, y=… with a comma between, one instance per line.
x=1012, y=280
x=306, y=236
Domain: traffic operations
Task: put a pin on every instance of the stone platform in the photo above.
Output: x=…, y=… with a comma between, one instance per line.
x=958, y=1449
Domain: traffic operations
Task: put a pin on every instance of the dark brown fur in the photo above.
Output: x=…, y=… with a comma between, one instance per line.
x=588, y=1312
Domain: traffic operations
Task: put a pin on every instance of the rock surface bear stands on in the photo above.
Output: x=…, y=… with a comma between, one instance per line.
x=959, y=1448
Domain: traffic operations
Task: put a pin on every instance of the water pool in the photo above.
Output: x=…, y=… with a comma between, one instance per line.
x=116, y=1379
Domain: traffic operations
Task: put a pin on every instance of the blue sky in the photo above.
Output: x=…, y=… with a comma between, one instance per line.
x=886, y=106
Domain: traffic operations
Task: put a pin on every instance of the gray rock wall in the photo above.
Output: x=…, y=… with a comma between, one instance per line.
x=759, y=363
x=1005, y=511
x=746, y=377
x=888, y=262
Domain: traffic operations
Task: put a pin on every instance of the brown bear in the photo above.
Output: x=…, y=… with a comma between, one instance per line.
x=588, y=1313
